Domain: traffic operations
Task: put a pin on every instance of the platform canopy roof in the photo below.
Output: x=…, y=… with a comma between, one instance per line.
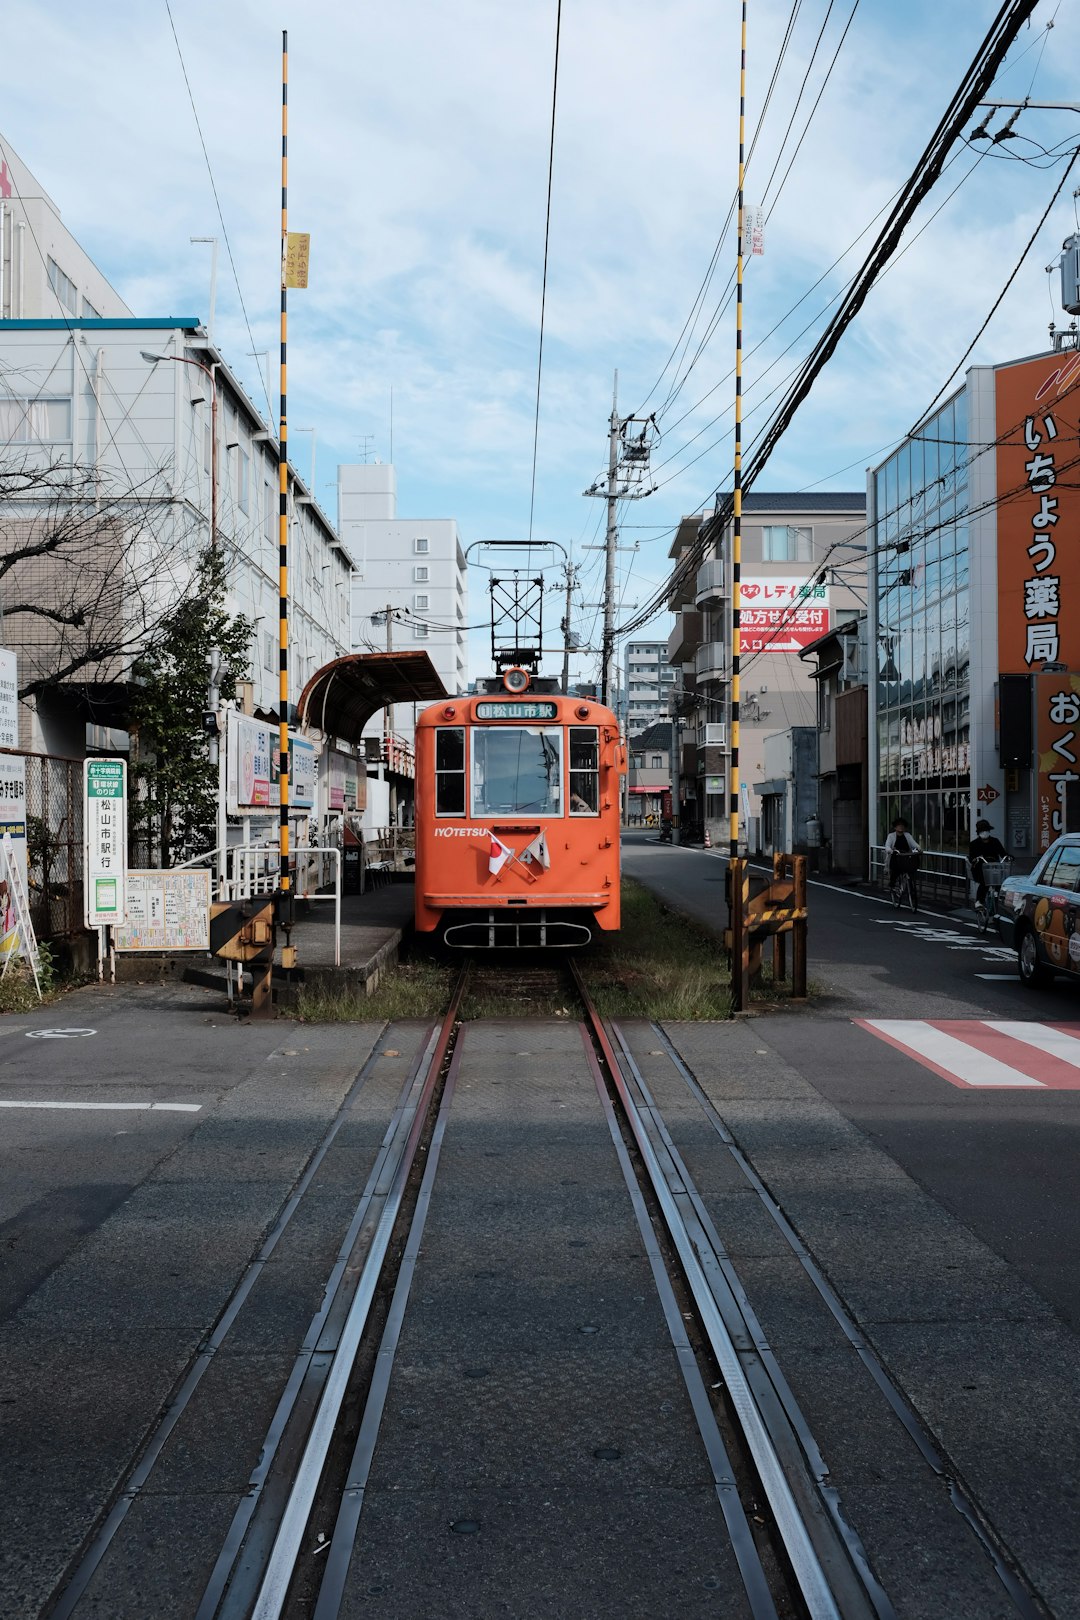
x=342, y=696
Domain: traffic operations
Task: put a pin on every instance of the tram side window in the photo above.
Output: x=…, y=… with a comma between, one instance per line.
x=450, y=771
x=584, y=771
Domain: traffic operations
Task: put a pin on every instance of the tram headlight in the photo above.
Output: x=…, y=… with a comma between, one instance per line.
x=516, y=680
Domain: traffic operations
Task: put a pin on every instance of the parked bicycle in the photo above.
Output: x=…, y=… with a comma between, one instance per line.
x=993, y=874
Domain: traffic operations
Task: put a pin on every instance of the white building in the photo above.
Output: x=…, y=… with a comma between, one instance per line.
x=648, y=681
x=130, y=407
x=43, y=270
x=409, y=590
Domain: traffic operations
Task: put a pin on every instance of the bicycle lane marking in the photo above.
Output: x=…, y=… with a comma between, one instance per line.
x=952, y=941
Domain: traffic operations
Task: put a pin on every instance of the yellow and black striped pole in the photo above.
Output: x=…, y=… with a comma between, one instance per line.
x=283, y=508
x=737, y=877
x=736, y=513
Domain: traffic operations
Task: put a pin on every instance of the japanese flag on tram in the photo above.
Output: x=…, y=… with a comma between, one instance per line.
x=537, y=851
x=498, y=855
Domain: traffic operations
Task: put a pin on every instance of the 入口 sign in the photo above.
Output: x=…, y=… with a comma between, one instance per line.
x=104, y=840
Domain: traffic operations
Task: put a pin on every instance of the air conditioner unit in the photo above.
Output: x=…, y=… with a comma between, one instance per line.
x=716, y=735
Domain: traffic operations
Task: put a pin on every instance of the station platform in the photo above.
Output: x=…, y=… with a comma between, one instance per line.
x=373, y=926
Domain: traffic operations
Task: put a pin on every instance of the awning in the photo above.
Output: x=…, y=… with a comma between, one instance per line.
x=341, y=698
x=768, y=790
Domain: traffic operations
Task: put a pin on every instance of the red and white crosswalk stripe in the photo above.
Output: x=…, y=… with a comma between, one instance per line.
x=988, y=1052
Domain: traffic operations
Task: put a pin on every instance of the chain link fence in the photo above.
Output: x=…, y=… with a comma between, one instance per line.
x=54, y=844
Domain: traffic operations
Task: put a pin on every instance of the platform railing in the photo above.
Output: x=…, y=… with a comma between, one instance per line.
x=942, y=873
x=253, y=871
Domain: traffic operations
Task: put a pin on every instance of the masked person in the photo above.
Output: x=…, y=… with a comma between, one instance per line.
x=985, y=846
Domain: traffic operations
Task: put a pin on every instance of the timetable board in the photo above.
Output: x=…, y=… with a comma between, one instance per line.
x=166, y=911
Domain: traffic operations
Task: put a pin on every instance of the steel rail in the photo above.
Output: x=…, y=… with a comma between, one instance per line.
x=154, y=1445
x=347, y=1523
x=743, y=1545
x=853, y=1582
x=312, y=1359
x=282, y=1561
x=806, y=1566
x=1023, y=1597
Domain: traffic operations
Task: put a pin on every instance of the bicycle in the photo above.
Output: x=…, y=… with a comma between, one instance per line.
x=904, y=891
x=994, y=874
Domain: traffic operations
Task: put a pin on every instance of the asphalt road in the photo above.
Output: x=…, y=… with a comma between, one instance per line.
x=943, y=1211
x=1003, y=1158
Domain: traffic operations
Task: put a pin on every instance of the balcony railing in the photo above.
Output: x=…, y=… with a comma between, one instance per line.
x=712, y=583
x=712, y=662
x=684, y=639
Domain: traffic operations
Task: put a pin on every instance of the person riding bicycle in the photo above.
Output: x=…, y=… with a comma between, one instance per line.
x=903, y=853
x=984, y=847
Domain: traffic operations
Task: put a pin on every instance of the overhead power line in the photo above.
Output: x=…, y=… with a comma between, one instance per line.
x=972, y=88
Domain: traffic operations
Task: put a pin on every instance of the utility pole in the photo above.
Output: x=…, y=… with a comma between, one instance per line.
x=632, y=462
x=571, y=581
x=611, y=540
x=389, y=628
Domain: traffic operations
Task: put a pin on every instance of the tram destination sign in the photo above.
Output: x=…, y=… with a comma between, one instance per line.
x=517, y=711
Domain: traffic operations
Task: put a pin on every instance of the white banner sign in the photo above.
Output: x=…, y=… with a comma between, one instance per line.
x=104, y=840
x=13, y=826
x=782, y=614
x=9, y=699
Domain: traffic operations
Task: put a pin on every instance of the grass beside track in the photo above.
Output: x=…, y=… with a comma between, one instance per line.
x=660, y=965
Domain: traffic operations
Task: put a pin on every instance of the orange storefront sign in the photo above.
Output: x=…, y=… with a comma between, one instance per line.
x=1057, y=747
x=1038, y=514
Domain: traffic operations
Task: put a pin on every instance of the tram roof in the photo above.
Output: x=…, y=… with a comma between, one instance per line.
x=342, y=696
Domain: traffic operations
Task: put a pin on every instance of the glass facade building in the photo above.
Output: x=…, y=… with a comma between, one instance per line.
x=920, y=579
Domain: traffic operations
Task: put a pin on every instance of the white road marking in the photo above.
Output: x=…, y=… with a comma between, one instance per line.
x=1043, y=1038
x=169, y=1108
x=57, y=1034
x=1001, y=978
x=967, y=1063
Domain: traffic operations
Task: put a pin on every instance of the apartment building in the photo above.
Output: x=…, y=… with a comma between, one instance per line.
x=647, y=682
x=410, y=585
x=803, y=559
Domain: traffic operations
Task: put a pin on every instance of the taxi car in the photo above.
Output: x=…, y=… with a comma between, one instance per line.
x=1039, y=914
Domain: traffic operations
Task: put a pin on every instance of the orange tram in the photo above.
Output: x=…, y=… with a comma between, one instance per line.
x=517, y=817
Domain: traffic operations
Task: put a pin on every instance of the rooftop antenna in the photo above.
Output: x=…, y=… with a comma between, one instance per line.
x=365, y=446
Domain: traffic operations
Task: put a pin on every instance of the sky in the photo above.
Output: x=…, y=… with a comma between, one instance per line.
x=419, y=141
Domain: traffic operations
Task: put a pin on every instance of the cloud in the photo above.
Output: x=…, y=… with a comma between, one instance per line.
x=419, y=144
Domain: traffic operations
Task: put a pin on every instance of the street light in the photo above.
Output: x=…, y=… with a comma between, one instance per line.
x=182, y=359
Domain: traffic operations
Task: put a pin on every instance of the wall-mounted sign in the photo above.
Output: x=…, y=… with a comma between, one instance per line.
x=166, y=911
x=253, y=766
x=9, y=699
x=1038, y=563
x=347, y=782
x=104, y=840
x=782, y=614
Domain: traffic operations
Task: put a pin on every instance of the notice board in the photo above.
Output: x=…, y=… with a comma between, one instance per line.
x=166, y=911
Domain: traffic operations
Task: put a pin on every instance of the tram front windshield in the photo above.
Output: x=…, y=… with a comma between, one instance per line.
x=517, y=770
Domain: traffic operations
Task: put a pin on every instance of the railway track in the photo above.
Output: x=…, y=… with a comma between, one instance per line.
x=295, y=1544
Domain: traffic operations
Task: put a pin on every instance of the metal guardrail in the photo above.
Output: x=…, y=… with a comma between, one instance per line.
x=942, y=872
x=250, y=871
